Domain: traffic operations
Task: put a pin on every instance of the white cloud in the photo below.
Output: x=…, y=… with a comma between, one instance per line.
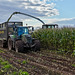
x=40, y=8
x=26, y=20
x=36, y=8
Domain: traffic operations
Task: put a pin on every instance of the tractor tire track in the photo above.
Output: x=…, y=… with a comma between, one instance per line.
x=44, y=63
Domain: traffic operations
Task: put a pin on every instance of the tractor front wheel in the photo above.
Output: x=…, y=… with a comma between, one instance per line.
x=19, y=46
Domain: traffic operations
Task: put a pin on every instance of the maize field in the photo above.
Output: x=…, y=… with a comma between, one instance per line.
x=46, y=61
x=62, y=39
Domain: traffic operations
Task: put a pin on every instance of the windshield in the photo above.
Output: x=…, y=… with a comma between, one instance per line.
x=22, y=30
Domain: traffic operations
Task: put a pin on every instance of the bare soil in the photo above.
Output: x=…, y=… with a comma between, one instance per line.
x=43, y=62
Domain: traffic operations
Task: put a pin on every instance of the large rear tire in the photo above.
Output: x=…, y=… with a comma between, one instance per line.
x=37, y=45
x=10, y=44
x=19, y=46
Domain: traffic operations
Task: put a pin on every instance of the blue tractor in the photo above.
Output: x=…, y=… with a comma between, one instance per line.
x=20, y=39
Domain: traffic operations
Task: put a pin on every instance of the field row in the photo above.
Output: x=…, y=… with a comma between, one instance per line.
x=42, y=62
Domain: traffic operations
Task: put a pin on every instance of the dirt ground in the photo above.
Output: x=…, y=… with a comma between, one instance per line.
x=43, y=62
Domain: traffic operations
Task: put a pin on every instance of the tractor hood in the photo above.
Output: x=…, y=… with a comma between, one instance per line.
x=27, y=38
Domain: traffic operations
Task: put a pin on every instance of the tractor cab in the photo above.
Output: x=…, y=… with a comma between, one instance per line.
x=22, y=30
x=23, y=33
x=50, y=26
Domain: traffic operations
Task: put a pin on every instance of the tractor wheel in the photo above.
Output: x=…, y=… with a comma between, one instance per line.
x=2, y=45
x=10, y=44
x=37, y=45
x=19, y=46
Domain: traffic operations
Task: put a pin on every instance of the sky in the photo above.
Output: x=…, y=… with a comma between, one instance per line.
x=59, y=12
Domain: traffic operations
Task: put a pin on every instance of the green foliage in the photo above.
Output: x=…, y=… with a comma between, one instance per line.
x=1, y=72
x=5, y=67
x=4, y=63
x=8, y=66
x=62, y=40
x=24, y=62
x=73, y=65
x=33, y=67
x=23, y=72
x=18, y=60
x=1, y=51
x=73, y=53
x=8, y=69
x=14, y=73
x=0, y=61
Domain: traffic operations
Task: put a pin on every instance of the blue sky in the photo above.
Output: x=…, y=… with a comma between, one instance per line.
x=50, y=11
x=66, y=8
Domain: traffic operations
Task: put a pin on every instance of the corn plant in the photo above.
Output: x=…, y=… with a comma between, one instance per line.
x=62, y=39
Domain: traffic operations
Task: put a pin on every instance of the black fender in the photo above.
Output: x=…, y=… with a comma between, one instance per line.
x=12, y=37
